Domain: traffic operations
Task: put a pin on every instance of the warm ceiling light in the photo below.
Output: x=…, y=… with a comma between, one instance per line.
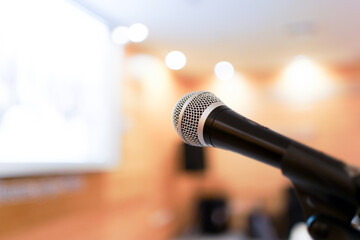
x=175, y=60
x=138, y=32
x=224, y=70
x=120, y=35
x=304, y=81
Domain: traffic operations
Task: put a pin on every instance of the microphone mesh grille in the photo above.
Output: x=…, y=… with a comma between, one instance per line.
x=178, y=107
x=191, y=116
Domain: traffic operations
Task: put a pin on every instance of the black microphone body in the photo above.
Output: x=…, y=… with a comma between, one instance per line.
x=308, y=168
x=328, y=189
x=228, y=130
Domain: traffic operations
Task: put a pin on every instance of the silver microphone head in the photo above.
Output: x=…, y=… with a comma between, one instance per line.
x=190, y=114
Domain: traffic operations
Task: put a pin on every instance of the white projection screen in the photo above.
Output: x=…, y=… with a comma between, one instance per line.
x=58, y=89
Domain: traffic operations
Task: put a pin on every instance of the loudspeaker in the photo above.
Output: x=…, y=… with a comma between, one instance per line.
x=194, y=159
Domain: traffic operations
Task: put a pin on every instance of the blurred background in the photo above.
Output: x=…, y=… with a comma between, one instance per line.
x=87, y=90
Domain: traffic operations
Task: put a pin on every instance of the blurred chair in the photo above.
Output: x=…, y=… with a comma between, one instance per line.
x=261, y=226
x=213, y=215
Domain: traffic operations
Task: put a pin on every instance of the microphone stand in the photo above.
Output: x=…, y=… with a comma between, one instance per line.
x=328, y=193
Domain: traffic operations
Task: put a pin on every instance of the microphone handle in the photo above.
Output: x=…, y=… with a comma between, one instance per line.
x=228, y=130
x=305, y=167
x=327, y=189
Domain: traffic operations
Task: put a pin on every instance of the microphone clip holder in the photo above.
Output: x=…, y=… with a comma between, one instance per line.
x=328, y=192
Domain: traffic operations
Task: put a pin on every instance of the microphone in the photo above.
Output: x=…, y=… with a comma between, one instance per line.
x=325, y=186
x=201, y=119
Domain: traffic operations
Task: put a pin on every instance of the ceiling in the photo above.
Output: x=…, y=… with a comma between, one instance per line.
x=255, y=35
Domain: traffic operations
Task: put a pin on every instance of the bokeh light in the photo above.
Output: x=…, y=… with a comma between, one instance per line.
x=303, y=82
x=224, y=70
x=175, y=60
x=120, y=35
x=138, y=32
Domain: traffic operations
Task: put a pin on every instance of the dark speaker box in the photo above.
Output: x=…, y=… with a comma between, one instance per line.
x=194, y=159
